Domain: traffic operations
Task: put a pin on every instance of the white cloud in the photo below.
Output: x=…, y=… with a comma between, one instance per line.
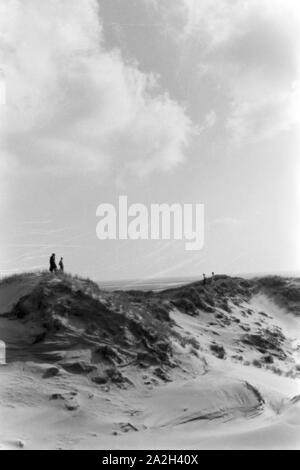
x=250, y=50
x=266, y=117
x=229, y=223
x=219, y=20
x=211, y=119
x=72, y=105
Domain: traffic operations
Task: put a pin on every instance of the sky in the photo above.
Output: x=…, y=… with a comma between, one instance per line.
x=164, y=101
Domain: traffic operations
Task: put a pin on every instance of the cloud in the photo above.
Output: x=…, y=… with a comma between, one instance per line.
x=211, y=119
x=266, y=117
x=229, y=223
x=73, y=105
x=249, y=50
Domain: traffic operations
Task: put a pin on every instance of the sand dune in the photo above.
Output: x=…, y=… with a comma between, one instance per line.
x=195, y=366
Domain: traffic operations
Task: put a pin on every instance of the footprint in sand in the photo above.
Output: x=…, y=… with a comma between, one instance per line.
x=125, y=428
x=18, y=444
x=71, y=404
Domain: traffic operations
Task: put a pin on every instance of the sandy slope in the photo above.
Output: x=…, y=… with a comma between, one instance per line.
x=220, y=411
x=200, y=401
x=12, y=291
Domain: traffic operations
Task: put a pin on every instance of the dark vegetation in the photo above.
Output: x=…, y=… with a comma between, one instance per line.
x=135, y=327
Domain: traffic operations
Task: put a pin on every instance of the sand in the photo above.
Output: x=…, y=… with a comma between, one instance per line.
x=205, y=403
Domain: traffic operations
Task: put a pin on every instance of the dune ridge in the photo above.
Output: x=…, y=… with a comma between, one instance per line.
x=217, y=362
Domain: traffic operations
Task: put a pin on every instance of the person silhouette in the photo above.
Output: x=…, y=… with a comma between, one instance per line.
x=61, y=265
x=204, y=279
x=53, y=267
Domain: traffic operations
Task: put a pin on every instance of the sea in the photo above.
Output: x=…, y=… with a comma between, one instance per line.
x=159, y=284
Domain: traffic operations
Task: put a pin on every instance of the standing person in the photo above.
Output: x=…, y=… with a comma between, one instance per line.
x=53, y=267
x=204, y=279
x=212, y=278
x=61, y=265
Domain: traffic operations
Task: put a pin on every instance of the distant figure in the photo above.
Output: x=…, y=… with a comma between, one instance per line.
x=212, y=278
x=204, y=279
x=61, y=265
x=53, y=267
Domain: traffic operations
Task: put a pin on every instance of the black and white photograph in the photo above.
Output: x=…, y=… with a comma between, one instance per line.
x=149, y=227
